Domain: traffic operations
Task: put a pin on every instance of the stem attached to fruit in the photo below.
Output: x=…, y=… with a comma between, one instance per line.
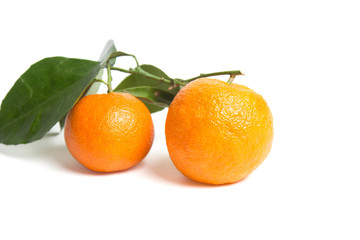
x=109, y=78
x=231, y=78
x=177, y=81
x=172, y=82
x=231, y=73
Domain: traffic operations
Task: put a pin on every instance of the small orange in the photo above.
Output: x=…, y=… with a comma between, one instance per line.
x=109, y=132
x=218, y=133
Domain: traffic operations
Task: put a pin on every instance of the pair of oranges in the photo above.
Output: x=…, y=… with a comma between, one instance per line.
x=216, y=132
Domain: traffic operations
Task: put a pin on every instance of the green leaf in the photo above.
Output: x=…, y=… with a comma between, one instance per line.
x=151, y=95
x=138, y=80
x=152, y=108
x=118, y=54
x=110, y=53
x=42, y=96
x=95, y=86
x=109, y=49
x=62, y=122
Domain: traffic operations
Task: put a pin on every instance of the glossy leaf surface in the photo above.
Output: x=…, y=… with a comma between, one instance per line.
x=42, y=96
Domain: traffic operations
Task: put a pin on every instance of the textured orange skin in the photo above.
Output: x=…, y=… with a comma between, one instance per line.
x=218, y=133
x=109, y=132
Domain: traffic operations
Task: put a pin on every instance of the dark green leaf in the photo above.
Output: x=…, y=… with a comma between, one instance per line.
x=137, y=80
x=94, y=87
x=154, y=99
x=118, y=54
x=152, y=108
x=62, y=122
x=106, y=54
x=151, y=95
x=42, y=96
x=109, y=49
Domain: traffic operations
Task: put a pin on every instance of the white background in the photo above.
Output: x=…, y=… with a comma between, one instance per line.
x=302, y=56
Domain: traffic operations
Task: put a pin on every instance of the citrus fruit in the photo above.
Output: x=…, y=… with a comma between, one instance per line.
x=109, y=132
x=217, y=132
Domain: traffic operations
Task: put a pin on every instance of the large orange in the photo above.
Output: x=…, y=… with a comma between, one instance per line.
x=109, y=132
x=216, y=132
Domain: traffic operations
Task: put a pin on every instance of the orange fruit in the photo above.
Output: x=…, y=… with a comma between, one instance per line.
x=216, y=132
x=109, y=132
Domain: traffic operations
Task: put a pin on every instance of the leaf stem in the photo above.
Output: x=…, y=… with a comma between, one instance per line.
x=231, y=73
x=141, y=71
x=109, y=80
x=173, y=82
x=123, y=70
x=231, y=78
x=100, y=80
x=137, y=63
